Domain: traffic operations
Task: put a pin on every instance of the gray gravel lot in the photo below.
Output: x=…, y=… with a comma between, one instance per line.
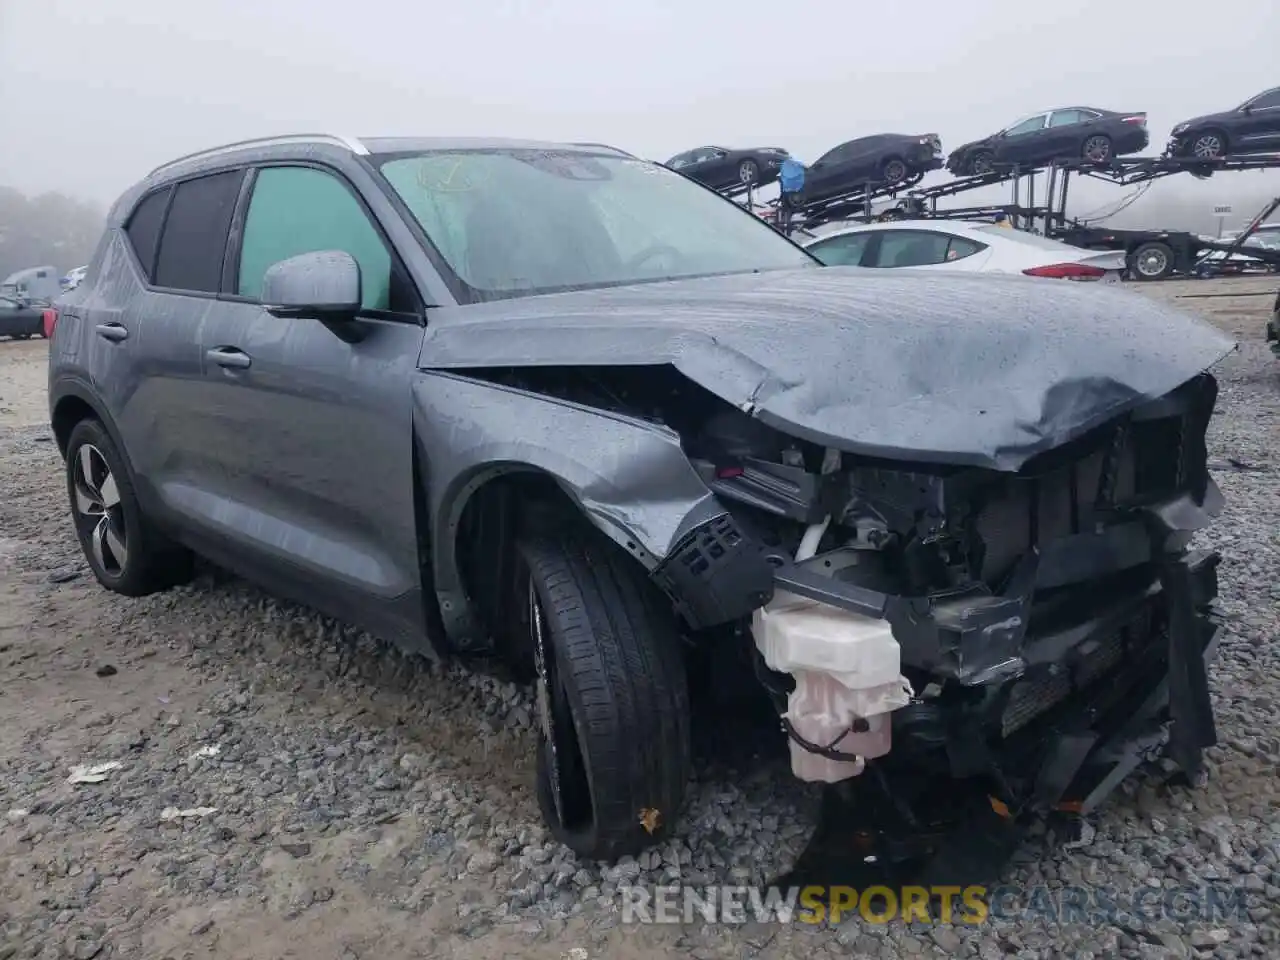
x=286, y=789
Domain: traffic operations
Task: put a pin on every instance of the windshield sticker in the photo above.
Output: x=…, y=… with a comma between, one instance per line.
x=450, y=174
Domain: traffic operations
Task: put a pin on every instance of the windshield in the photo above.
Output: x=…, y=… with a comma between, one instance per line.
x=511, y=223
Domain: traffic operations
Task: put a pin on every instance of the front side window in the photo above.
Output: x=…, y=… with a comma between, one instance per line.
x=296, y=210
x=194, y=239
x=844, y=251
x=512, y=223
x=1266, y=101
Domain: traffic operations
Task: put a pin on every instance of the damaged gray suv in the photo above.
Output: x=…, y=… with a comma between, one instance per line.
x=552, y=403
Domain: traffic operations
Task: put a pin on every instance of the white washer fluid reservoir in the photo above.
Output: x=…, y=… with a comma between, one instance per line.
x=847, y=670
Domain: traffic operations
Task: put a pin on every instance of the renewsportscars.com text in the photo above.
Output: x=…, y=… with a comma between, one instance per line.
x=943, y=904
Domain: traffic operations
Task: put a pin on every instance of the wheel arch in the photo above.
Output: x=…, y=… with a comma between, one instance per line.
x=627, y=477
x=475, y=524
x=72, y=401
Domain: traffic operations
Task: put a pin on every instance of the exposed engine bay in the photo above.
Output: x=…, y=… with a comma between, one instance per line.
x=925, y=620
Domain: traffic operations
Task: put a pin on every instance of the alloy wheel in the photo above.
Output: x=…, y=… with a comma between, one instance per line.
x=1207, y=146
x=895, y=170
x=1097, y=149
x=99, y=512
x=747, y=172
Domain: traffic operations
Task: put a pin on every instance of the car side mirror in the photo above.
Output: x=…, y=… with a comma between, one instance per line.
x=324, y=285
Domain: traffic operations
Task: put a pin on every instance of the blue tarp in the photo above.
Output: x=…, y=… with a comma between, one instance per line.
x=791, y=175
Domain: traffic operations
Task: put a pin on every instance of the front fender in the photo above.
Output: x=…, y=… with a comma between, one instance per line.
x=630, y=477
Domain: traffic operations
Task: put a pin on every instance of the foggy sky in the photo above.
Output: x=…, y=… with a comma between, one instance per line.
x=94, y=93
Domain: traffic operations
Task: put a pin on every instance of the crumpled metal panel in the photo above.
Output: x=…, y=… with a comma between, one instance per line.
x=630, y=477
x=933, y=367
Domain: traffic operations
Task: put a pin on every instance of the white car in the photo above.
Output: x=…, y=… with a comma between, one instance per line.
x=966, y=245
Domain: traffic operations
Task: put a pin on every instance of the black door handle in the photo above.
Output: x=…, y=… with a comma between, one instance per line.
x=229, y=357
x=113, y=331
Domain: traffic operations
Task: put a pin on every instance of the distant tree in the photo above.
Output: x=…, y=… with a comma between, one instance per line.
x=48, y=229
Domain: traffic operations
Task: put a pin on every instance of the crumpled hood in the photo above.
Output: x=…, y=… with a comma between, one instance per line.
x=966, y=147
x=932, y=367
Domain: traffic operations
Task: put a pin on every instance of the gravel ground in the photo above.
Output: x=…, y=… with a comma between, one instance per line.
x=285, y=788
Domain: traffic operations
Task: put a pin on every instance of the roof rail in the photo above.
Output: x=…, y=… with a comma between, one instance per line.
x=605, y=146
x=348, y=143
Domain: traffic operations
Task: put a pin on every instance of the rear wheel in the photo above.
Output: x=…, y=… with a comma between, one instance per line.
x=1152, y=261
x=613, y=707
x=1097, y=148
x=125, y=552
x=748, y=171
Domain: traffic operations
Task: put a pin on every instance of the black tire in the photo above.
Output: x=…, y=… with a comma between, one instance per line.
x=893, y=170
x=145, y=561
x=1096, y=148
x=980, y=162
x=1153, y=260
x=22, y=336
x=749, y=172
x=1208, y=145
x=616, y=674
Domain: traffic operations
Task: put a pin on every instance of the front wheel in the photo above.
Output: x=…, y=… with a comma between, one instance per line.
x=613, y=702
x=1209, y=145
x=894, y=170
x=980, y=163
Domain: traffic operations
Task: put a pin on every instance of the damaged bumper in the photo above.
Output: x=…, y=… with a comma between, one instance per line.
x=1082, y=603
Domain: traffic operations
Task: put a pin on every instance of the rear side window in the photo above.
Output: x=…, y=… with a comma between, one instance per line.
x=919, y=248
x=143, y=229
x=195, y=233
x=297, y=210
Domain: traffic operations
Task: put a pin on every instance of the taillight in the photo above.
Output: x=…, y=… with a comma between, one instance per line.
x=1067, y=271
x=49, y=318
x=1138, y=118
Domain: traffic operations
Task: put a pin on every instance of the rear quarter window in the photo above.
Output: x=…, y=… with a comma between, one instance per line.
x=143, y=229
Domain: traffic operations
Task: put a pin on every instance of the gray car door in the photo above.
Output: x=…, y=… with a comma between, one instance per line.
x=314, y=429
x=152, y=384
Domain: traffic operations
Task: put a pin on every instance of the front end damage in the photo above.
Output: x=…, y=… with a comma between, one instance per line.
x=1037, y=634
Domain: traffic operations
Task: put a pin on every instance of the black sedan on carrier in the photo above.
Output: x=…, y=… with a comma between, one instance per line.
x=723, y=167
x=1252, y=127
x=884, y=158
x=1066, y=133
